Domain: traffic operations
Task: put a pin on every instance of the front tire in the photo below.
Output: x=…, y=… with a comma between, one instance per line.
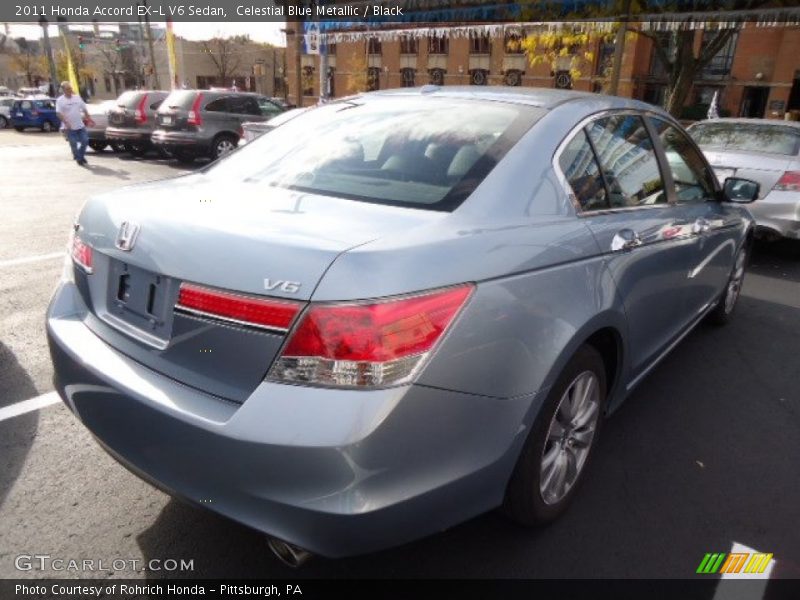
x=47, y=127
x=560, y=444
x=723, y=312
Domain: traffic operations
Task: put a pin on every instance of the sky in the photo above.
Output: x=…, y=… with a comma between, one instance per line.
x=260, y=32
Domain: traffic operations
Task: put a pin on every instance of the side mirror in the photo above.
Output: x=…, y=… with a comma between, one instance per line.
x=739, y=190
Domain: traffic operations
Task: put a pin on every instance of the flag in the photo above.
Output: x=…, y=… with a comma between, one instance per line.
x=71, y=74
x=173, y=66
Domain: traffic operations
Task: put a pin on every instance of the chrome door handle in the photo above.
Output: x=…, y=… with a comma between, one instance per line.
x=625, y=239
x=701, y=225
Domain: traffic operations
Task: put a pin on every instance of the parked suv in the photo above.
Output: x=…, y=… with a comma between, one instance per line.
x=133, y=120
x=35, y=112
x=193, y=123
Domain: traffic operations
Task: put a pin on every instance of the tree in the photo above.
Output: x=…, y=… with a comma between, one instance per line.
x=111, y=59
x=226, y=54
x=28, y=62
x=358, y=78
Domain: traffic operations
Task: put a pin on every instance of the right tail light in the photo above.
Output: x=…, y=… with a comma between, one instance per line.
x=789, y=182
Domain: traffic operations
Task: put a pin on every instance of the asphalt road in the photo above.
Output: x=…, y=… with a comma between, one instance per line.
x=705, y=454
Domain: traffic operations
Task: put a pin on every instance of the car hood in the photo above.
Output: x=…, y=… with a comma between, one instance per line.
x=239, y=236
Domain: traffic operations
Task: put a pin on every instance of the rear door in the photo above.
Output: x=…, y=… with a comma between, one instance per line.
x=613, y=169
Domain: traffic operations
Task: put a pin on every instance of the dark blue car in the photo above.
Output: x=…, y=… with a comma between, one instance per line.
x=35, y=112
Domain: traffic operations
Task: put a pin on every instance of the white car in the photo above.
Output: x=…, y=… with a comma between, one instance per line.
x=5, y=110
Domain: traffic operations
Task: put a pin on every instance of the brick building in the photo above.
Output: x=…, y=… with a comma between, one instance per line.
x=757, y=73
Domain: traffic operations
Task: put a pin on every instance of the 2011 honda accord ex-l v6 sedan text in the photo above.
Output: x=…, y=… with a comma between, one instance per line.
x=395, y=311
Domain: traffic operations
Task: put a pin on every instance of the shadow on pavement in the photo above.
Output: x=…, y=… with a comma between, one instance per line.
x=106, y=172
x=779, y=259
x=16, y=434
x=703, y=453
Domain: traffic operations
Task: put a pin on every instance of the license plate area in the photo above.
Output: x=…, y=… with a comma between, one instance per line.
x=166, y=120
x=141, y=300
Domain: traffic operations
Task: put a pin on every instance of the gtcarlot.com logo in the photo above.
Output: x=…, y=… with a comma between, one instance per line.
x=45, y=562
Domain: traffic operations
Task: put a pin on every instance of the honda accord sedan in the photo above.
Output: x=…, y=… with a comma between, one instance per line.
x=396, y=311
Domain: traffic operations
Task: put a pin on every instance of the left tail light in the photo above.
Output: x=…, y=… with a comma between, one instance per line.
x=366, y=345
x=81, y=254
x=141, y=111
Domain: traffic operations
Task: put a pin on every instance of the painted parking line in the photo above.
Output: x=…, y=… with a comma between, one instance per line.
x=26, y=406
x=30, y=259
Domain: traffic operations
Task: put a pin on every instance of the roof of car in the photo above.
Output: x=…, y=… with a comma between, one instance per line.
x=743, y=121
x=539, y=97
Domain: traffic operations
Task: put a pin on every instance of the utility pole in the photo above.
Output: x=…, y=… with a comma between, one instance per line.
x=619, y=48
x=298, y=64
x=48, y=50
x=323, y=68
x=150, y=45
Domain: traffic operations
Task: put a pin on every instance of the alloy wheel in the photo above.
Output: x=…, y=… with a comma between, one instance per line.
x=569, y=437
x=224, y=146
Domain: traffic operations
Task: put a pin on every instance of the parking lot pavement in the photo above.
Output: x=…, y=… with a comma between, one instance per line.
x=704, y=455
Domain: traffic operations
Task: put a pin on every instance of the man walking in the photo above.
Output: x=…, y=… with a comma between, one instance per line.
x=71, y=110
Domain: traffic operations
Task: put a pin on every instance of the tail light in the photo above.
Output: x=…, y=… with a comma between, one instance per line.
x=789, y=182
x=194, y=113
x=369, y=344
x=141, y=111
x=81, y=254
x=275, y=315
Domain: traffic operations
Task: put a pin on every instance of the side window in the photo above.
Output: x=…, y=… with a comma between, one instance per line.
x=268, y=108
x=26, y=105
x=218, y=105
x=626, y=155
x=243, y=105
x=579, y=165
x=693, y=179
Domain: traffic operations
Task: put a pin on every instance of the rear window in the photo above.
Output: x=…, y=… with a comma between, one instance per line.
x=418, y=152
x=182, y=99
x=748, y=137
x=130, y=99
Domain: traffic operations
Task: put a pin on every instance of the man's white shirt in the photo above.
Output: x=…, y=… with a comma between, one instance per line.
x=72, y=111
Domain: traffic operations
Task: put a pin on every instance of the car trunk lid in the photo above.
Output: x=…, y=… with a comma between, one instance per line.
x=222, y=238
x=766, y=169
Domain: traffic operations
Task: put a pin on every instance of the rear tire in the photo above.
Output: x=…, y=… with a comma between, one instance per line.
x=561, y=442
x=47, y=127
x=18, y=128
x=137, y=150
x=3, y=122
x=723, y=312
x=97, y=146
x=117, y=147
x=223, y=145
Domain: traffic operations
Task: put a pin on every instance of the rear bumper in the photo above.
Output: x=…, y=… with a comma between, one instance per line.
x=778, y=212
x=335, y=472
x=118, y=134
x=172, y=140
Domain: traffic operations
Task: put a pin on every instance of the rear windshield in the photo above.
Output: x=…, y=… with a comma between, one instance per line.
x=418, y=152
x=180, y=99
x=130, y=99
x=747, y=137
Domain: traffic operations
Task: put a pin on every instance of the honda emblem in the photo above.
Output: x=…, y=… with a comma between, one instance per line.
x=126, y=237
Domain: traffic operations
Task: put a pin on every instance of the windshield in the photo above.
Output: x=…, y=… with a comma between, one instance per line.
x=420, y=152
x=747, y=137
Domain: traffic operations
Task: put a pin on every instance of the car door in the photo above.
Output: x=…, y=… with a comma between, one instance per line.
x=716, y=226
x=621, y=192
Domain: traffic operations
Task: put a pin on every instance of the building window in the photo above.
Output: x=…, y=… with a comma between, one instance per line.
x=373, y=79
x=479, y=77
x=407, y=77
x=719, y=67
x=654, y=94
x=438, y=45
x=481, y=44
x=331, y=82
x=373, y=46
x=331, y=49
x=605, y=59
x=308, y=81
x=667, y=41
x=107, y=82
x=437, y=76
x=513, y=42
x=409, y=45
x=704, y=94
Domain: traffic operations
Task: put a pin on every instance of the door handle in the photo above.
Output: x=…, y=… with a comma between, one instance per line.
x=701, y=225
x=625, y=239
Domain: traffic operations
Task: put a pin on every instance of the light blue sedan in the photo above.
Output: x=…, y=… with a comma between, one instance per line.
x=396, y=311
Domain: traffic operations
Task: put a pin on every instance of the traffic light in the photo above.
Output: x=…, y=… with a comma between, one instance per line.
x=118, y=44
x=81, y=43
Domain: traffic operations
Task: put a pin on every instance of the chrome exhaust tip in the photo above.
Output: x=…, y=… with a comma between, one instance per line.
x=289, y=554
